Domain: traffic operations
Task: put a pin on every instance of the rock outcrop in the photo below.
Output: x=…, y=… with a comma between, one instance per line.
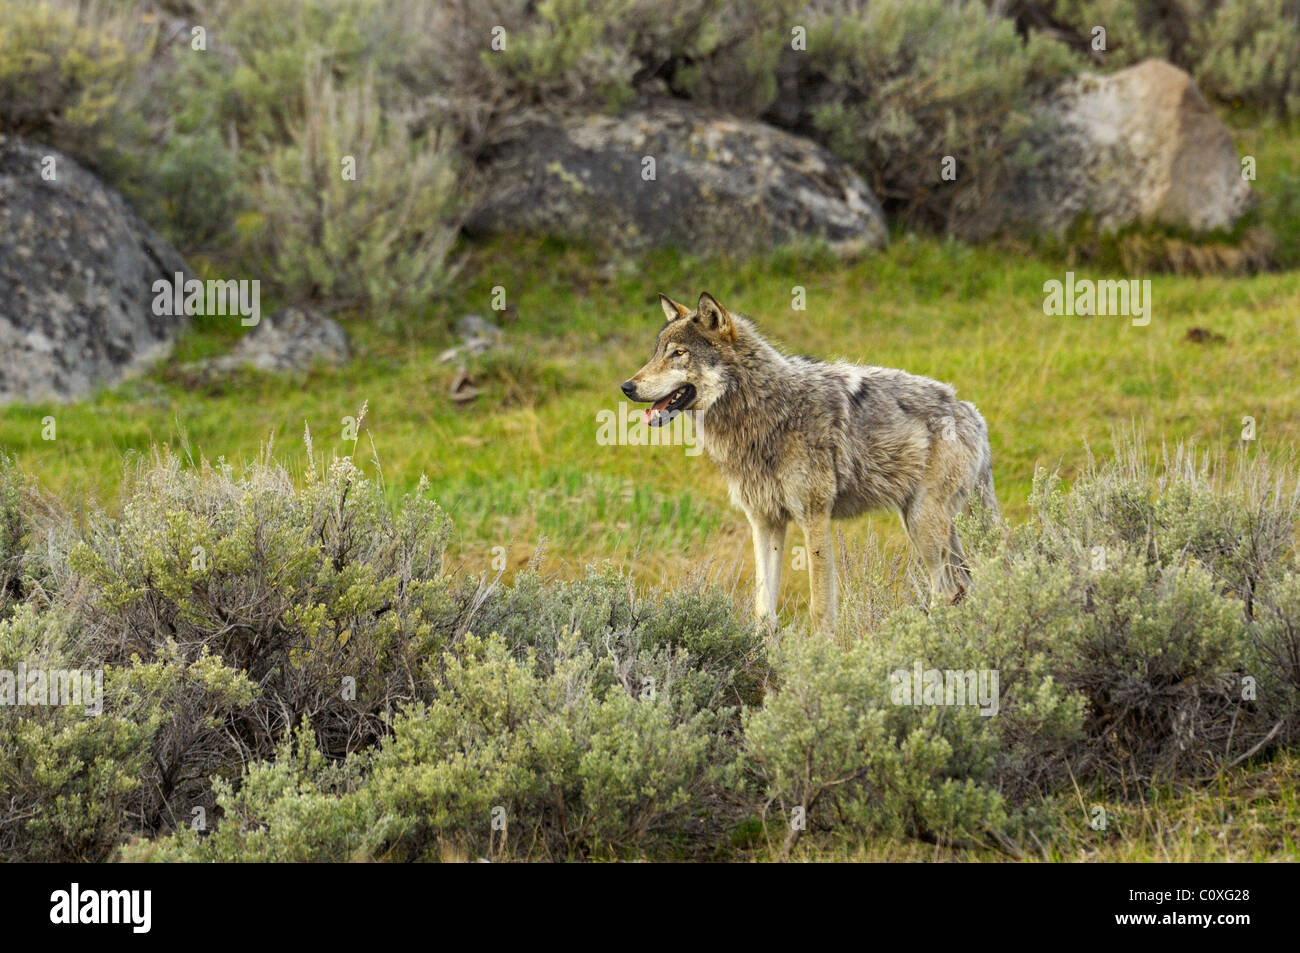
x=674, y=175
x=77, y=269
x=1136, y=147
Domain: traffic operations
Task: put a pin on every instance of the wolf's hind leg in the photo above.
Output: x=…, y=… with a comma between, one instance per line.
x=986, y=493
x=821, y=570
x=958, y=574
x=769, y=550
x=929, y=526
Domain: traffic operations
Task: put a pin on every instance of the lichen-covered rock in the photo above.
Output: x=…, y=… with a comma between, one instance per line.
x=77, y=268
x=1137, y=147
x=674, y=176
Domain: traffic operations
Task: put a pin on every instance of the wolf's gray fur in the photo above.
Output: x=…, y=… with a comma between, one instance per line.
x=803, y=440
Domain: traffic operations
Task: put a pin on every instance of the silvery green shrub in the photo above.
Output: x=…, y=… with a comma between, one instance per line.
x=298, y=586
x=319, y=594
x=831, y=752
x=229, y=606
x=14, y=529
x=906, y=83
x=573, y=761
x=298, y=807
x=65, y=776
x=510, y=758
x=1142, y=624
x=1168, y=562
x=76, y=779
x=1236, y=519
x=1240, y=52
x=1273, y=658
x=687, y=638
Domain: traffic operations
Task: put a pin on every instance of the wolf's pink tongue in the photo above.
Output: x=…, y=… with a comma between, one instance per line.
x=653, y=411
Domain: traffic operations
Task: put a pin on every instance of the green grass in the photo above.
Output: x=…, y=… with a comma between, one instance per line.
x=1247, y=816
x=522, y=462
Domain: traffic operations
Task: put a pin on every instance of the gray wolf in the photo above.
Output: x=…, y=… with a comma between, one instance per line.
x=808, y=441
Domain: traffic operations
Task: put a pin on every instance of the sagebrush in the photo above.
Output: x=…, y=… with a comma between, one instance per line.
x=291, y=673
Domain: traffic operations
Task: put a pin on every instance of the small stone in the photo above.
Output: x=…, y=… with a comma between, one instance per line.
x=291, y=340
x=474, y=326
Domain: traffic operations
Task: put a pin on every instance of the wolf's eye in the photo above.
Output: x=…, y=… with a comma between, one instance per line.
x=679, y=353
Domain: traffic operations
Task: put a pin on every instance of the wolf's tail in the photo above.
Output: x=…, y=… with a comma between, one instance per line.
x=987, y=496
x=984, y=478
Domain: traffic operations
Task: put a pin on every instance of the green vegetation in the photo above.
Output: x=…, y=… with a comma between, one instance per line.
x=919, y=81
x=522, y=462
x=232, y=138
x=332, y=665
x=1142, y=625
x=1240, y=52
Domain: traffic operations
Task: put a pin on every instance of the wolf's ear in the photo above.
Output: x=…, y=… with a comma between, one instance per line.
x=673, y=310
x=715, y=317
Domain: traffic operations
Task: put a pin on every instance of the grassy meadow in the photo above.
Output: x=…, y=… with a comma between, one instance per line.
x=520, y=469
x=521, y=464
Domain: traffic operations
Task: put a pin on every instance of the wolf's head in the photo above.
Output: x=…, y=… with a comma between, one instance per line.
x=688, y=370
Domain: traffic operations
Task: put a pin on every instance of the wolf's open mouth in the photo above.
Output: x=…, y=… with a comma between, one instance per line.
x=663, y=411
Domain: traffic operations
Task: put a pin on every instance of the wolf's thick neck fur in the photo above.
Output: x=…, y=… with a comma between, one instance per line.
x=761, y=395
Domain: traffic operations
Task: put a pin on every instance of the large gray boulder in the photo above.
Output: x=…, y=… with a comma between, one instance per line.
x=77, y=268
x=719, y=184
x=1136, y=147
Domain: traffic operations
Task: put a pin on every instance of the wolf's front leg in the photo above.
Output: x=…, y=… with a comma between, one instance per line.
x=769, y=550
x=820, y=540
